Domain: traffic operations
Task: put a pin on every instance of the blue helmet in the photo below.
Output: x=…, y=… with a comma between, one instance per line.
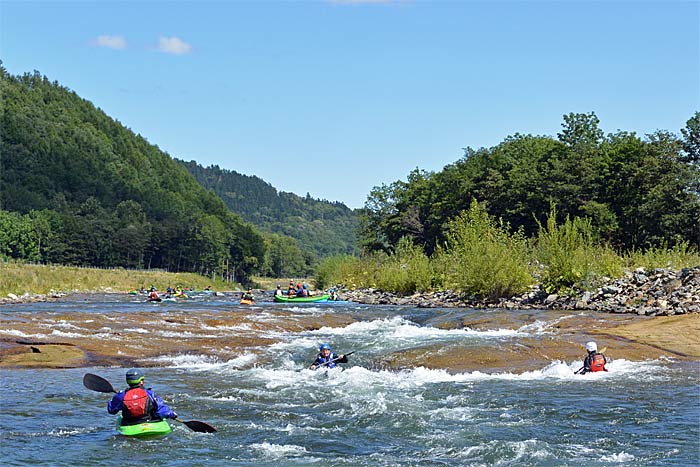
x=134, y=377
x=324, y=347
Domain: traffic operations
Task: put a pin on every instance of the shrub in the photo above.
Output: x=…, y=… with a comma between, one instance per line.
x=482, y=258
x=571, y=257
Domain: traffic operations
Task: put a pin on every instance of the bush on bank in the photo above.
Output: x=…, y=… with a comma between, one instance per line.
x=484, y=258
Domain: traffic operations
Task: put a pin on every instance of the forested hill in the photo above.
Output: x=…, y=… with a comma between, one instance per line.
x=77, y=187
x=320, y=226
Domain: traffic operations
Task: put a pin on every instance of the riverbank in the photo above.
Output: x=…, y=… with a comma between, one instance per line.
x=661, y=292
x=36, y=282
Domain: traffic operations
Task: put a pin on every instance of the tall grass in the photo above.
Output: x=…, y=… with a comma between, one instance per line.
x=408, y=270
x=571, y=257
x=19, y=278
x=679, y=256
x=482, y=258
x=344, y=270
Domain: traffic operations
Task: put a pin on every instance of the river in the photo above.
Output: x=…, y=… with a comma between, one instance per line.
x=246, y=374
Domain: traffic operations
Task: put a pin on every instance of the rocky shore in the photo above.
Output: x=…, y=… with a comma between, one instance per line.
x=631, y=316
x=661, y=292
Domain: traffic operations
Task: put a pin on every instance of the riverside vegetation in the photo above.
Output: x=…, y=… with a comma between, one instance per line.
x=483, y=261
x=33, y=281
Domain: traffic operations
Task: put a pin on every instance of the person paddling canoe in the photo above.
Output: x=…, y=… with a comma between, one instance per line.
x=327, y=358
x=138, y=404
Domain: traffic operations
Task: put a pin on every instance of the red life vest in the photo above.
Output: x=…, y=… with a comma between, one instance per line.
x=598, y=362
x=137, y=404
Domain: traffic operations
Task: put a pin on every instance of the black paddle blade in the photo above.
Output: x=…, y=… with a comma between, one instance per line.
x=199, y=427
x=97, y=383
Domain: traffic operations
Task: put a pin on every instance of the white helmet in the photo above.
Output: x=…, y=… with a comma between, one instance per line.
x=591, y=346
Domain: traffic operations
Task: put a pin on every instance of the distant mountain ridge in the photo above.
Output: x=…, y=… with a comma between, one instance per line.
x=322, y=227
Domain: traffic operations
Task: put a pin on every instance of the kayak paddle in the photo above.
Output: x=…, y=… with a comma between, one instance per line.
x=334, y=360
x=99, y=384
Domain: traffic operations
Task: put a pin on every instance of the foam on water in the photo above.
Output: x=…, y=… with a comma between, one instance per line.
x=278, y=450
x=205, y=362
x=18, y=333
x=513, y=451
x=620, y=457
x=400, y=328
x=540, y=327
x=382, y=335
x=357, y=379
x=184, y=334
x=138, y=330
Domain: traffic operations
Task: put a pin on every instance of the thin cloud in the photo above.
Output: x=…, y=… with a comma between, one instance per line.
x=111, y=42
x=173, y=45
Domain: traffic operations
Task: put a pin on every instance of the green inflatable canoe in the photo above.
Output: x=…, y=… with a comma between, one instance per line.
x=144, y=430
x=315, y=298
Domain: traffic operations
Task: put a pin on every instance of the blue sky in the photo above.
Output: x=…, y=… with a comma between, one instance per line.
x=333, y=98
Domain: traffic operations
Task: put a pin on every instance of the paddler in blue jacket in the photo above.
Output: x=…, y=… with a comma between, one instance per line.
x=138, y=404
x=327, y=358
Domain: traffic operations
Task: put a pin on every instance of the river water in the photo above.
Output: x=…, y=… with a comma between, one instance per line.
x=275, y=412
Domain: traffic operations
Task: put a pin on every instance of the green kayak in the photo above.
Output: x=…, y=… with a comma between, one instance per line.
x=144, y=430
x=315, y=298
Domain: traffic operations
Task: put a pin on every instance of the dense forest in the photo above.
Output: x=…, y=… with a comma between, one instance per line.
x=79, y=188
x=637, y=192
x=320, y=227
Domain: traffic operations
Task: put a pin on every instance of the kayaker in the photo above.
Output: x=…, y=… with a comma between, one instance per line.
x=278, y=292
x=333, y=295
x=248, y=295
x=327, y=358
x=138, y=404
x=153, y=295
x=594, y=361
x=300, y=291
x=291, y=290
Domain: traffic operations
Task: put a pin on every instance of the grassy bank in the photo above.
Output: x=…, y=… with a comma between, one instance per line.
x=485, y=258
x=18, y=278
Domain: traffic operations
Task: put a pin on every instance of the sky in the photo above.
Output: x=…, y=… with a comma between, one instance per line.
x=333, y=98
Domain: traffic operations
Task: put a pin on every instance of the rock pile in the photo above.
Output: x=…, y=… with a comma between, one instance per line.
x=30, y=298
x=660, y=292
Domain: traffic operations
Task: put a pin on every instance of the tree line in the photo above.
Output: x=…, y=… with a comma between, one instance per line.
x=636, y=192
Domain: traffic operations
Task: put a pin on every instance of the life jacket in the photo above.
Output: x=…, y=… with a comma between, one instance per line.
x=137, y=405
x=320, y=360
x=598, y=362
